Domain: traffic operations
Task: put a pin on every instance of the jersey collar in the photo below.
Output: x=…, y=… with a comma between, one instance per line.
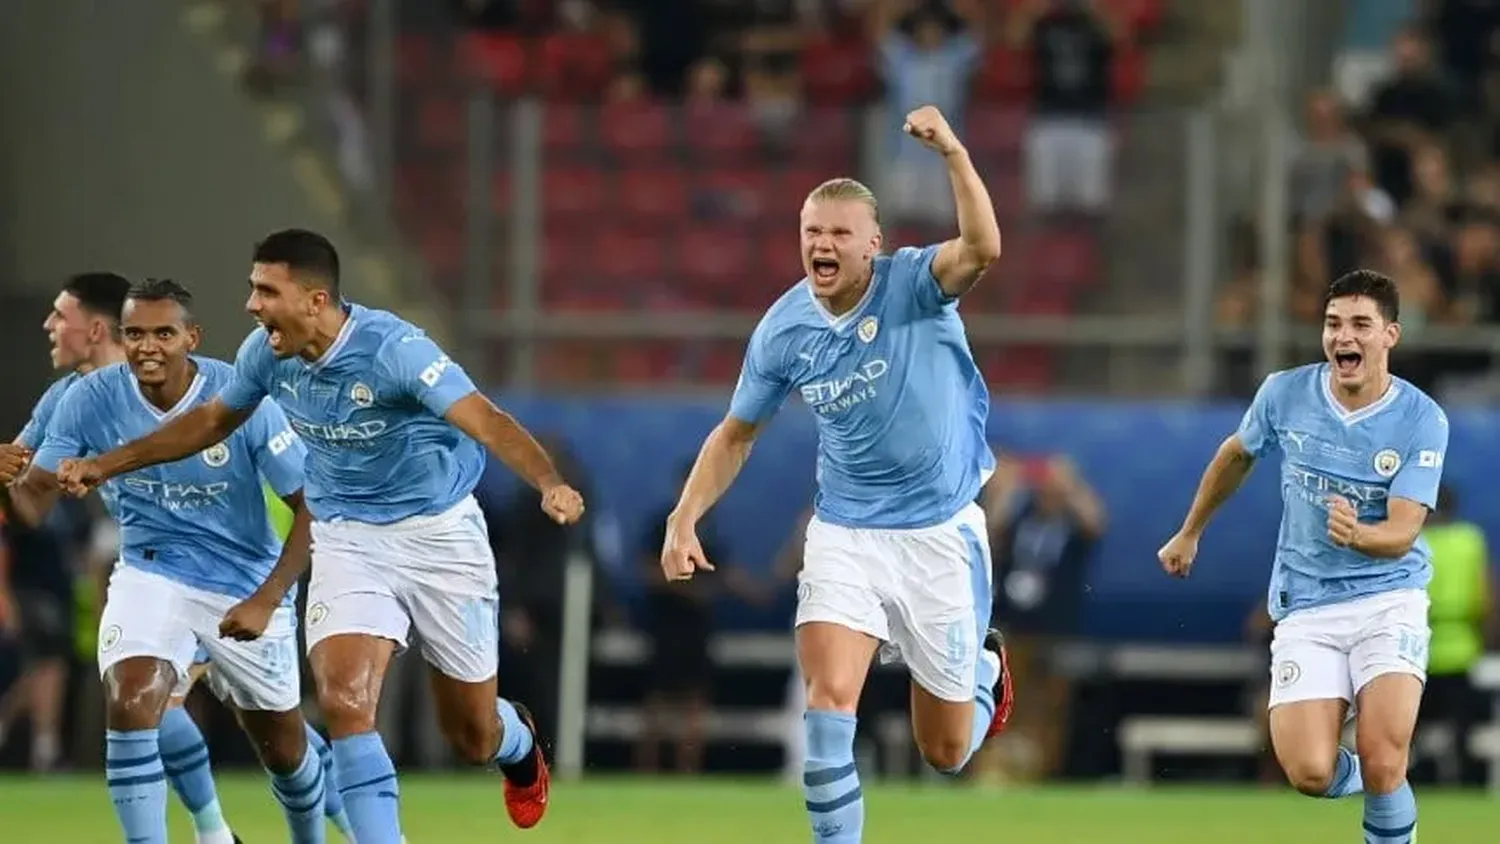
x=187, y=400
x=338, y=344
x=1350, y=417
x=842, y=321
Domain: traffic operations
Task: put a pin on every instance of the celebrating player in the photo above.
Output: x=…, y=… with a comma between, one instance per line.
x=897, y=550
x=394, y=431
x=1361, y=458
x=83, y=328
x=196, y=538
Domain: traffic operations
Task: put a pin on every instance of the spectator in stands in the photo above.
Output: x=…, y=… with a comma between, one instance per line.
x=1473, y=275
x=1465, y=31
x=1320, y=169
x=672, y=35
x=278, y=55
x=1414, y=107
x=1046, y=521
x=1428, y=212
x=1422, y=299
x=680, y=623
x=489, y=14
x=1348, y=237
x=928, y=51
x=1069, y=143
x=36, y=602
x=1461, y=613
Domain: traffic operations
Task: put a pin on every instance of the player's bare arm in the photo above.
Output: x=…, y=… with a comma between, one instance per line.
x=247, y=620
x=1225, y=474
x=33, y=495
x=509, y=440
x=960, y=262
x=186, y=435
x=14, y=457
x=724, y=452
x=1389, y=539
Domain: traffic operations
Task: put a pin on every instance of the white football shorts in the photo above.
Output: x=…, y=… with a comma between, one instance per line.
x=925, y=593
x=146, y=614
x=435, y=573
x=1332, y=652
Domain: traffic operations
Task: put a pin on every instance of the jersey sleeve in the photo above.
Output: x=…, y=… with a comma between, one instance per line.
x=1422, y=465
x=911, y=272
x=65, y=431
x=419, y=369
x=252, y=373
x=763, y=384
x=35, y=431
x=277, y=450
x=1256, y=432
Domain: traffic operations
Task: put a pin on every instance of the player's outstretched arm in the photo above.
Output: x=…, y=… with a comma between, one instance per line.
x=247, y=620
x=1227, y=470
x=509, y=440
x=960, y=262
x=719, y=461
x=186, y=435
x=33, y=495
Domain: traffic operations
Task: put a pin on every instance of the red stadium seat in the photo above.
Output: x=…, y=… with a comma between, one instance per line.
x=441, y=124
x=1128, y=75
x=721, y=133
x=994, y=131
x=826, y=138
x=572, y=193
x=564, y=129
x=780, y=261
x=636, y=130
x=497, y=58
x=837, y=71
x=415, y=62
x=649, y=195
x=1005, y=76
x=791, y=188
x=738, y=194
x=574, y=66
x=626, y=259
x=712, y=257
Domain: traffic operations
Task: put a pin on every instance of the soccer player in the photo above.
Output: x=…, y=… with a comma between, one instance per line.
x=196, y=539
x=1361, y=457
x=83, y=328
x=396, y=434
x=896, y=553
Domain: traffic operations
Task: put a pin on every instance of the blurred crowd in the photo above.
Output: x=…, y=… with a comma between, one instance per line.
x=1402, y=176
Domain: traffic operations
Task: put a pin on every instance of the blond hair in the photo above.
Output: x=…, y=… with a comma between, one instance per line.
x=844, y=189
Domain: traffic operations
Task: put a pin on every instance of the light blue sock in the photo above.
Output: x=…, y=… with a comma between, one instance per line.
x=1391, y=818
x=300, y=794
x=137, y=784
x=516, y=739
x=333, y=801
x=835, y=802
x=184, y=756
x=986, y=674
x=1346, y=779
x=372, y=796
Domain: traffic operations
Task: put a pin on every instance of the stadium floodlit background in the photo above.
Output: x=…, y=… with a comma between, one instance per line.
x=590, y=202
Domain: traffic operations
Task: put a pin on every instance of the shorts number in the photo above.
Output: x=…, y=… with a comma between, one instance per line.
x=958, y=644
x=1412, y=646
x=278, y=656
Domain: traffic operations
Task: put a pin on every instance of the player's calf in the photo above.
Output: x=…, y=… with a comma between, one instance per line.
x=136, y=693
x=280, y=740
x=184, y=755
x=1387, y=718
x=349, y=670
x=488, y=731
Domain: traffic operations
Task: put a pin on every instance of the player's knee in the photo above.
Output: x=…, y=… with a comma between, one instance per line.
x=1382, y=769
x=136, y=691
x=474, y=741
x=1310, y=776
x=947, y=756
x=348, y=708
x=832, y=696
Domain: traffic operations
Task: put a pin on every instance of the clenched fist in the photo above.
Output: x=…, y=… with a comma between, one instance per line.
x=563, y=503
x=928, y=125
x=77, y=477
x=14, y=458
x=1178, y=554
x=1343, y=521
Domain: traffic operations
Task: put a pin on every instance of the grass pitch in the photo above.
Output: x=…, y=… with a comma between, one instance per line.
x=462, y=809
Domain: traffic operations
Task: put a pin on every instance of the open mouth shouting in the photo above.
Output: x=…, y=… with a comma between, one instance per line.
x=1347, y=363
x=825, y=270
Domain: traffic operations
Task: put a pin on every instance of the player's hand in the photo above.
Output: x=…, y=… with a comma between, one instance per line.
x=247, y=620
x=1178, y=554
x=681, y=555
x=928, y=125
x=14, y=459
x=78, y=476
x=562, y=503
x=1343, y=521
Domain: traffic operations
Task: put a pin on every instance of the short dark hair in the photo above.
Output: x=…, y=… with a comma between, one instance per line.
x=1447, y=500
x=163, y=290
x=100, y=294
x=306, y=253
x=1369, y=284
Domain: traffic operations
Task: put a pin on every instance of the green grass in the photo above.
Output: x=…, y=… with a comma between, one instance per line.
x=456, y=810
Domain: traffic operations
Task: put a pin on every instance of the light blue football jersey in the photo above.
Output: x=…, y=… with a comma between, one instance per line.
x=900, y=405
x=35, y=431
x=371, y=412
x=201, y=521
x=1393, y=448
